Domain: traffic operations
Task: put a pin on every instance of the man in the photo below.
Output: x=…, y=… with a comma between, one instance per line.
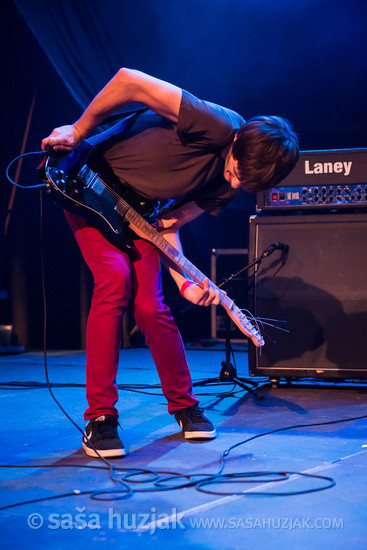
x=182, y=148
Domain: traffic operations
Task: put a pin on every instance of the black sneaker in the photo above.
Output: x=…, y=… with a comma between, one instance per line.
x=194, y=423
x=102, y=433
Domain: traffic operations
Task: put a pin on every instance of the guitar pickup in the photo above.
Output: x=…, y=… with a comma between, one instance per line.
x=87, y=175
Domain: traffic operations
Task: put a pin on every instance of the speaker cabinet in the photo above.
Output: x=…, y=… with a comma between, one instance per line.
x=316, y=293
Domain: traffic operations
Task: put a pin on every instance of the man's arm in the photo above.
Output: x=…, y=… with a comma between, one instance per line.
x=171, y=224
x=127, y=86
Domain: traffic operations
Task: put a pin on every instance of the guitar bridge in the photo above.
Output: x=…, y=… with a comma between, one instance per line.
x=91, y=179
x=86, y=175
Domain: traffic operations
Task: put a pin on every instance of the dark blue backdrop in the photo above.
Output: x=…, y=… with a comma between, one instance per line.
x=304, y=60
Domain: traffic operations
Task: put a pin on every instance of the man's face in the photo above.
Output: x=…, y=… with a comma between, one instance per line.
x=231, y=171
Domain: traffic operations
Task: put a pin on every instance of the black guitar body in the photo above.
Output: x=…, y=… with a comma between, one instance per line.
x=71, y=185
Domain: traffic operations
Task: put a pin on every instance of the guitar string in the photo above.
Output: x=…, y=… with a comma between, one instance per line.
x=138, y=220
x=159, y=240
x=97, y=184
x=100, y=185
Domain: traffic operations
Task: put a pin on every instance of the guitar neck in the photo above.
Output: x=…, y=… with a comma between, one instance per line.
x=141, y=226
x=93, y=183
x=151, y=234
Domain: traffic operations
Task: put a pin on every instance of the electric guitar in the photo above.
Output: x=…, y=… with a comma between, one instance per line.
x=75, y=181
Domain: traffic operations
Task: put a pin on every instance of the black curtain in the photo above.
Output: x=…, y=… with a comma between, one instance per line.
x=80, y=40
x=303, y=60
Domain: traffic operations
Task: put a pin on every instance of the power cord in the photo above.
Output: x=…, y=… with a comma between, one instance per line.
x=125, y=488
x=160, y=484
x=154, y=478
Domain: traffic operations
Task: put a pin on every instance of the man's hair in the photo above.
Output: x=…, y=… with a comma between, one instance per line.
x=266, y=150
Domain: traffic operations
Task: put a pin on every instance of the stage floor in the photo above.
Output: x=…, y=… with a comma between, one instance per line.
x=36, y=433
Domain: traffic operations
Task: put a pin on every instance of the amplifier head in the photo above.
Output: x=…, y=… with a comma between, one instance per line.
x=330, y=179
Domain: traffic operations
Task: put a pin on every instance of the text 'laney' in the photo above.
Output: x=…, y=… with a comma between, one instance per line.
x=339, y=167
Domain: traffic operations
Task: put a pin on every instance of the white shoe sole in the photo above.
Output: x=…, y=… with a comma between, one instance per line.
x=199, y=435
x=110, y=453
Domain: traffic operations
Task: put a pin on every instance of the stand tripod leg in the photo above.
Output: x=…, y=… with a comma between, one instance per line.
x=248, y=388
x=207, y=381
x=228, y=372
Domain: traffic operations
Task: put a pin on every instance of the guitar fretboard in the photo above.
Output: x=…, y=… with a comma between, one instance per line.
x=93, y=181
x=111, y=200
x=160, y=242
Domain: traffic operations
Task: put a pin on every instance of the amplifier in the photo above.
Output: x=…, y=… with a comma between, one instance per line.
x=315, y=294
x=328, y=180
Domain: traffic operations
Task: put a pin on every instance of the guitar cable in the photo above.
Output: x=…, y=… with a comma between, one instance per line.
x=163, y=480
x=142, y=475
x=40, y=185
x=124, y=487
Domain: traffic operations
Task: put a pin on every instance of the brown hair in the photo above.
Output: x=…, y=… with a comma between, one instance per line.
x=266, y=150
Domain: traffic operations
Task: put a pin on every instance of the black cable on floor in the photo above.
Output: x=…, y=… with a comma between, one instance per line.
x=124, y=488
x=160, y=484
x=154, y=477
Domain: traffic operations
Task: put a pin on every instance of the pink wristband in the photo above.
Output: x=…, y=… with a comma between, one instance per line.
x=185, y=285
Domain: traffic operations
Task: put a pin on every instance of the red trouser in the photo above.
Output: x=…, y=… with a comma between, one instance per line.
x=117, y=281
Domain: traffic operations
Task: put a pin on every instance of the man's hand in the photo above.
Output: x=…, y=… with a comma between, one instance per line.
x=203, y=296
x=64, y=138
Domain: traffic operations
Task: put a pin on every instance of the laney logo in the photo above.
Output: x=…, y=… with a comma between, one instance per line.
x=344, y=167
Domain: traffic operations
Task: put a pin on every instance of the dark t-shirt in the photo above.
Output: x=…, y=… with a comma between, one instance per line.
x=182, y=161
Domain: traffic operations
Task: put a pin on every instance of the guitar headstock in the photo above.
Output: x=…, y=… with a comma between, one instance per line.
x=248, y=327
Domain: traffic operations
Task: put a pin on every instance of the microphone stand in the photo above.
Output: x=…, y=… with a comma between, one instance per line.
x=228, y=373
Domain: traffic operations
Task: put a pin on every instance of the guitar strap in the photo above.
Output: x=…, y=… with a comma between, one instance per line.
x=103, y=140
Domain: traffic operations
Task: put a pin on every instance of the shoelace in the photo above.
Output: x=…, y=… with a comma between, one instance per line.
x=194, y=413
x=106, y=429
